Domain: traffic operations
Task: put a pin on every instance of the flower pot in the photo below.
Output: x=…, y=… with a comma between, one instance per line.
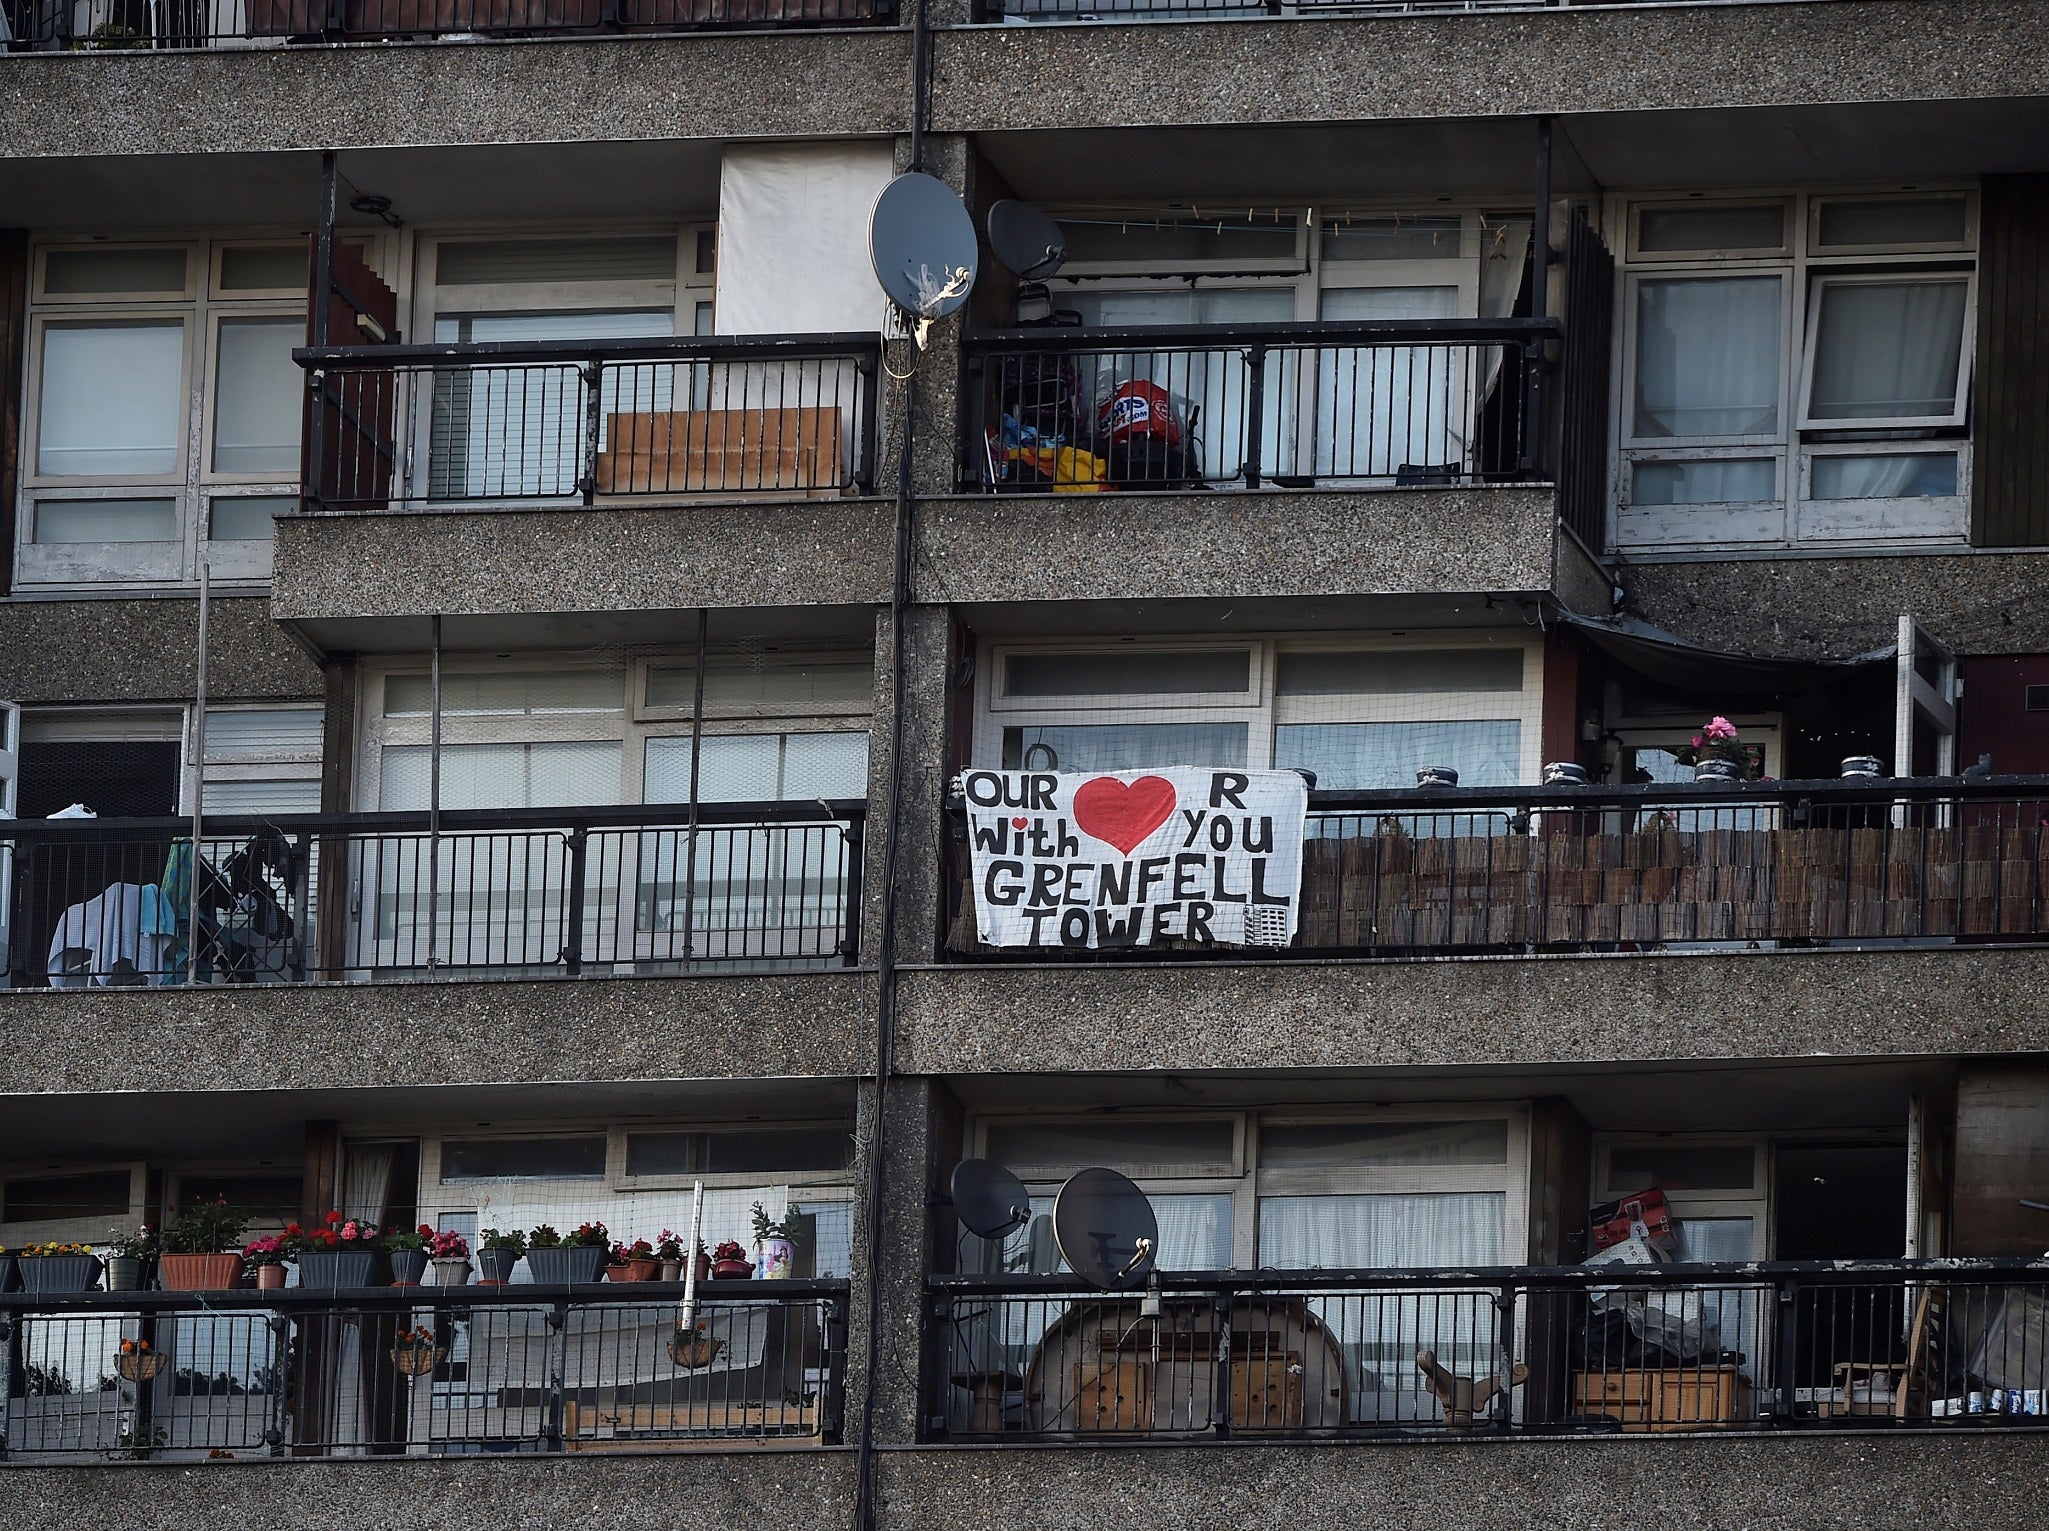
x=125, y=1273
x=691, y=1349
x=59, y=1273
x=139, y=1365
x=495, y=1266
x=452, y=1270
x=672, y=1270
x=731, y=1270
x=199, y=1273
x=408, y=1266
x=1863, y=765
x=1565, y=773
x=565, y=1267
x=1437, y=776
x=634, y=1270
x=417, y=1360
x=775, y=1259
x=1717, y=771
x=10, y=1274
x=703, y=1263
x=270, y=1278
x=333, y=1270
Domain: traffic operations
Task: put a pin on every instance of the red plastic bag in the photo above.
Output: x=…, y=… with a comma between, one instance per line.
x=1644, y=1215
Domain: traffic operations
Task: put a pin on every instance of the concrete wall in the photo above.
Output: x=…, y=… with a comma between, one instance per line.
x=123, y=651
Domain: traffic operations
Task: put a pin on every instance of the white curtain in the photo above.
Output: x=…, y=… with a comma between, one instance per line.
x=1381, y=408
x=1707, y=356
x=1887, y=350
x=1356, y=756
x=113, y=398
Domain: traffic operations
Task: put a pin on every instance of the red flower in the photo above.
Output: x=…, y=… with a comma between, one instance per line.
x=333, y=1218
x=426, y=1230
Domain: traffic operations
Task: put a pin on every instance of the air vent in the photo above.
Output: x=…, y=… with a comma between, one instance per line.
x=2037, y=699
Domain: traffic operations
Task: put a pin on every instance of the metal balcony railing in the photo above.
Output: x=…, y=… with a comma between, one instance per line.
x=1572, y=1350
x=1443, y=872
x=1398, y=401
x=192, y=1377
x=783, y=416
x=505, y=893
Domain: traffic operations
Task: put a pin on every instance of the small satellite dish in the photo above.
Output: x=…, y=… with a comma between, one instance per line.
x=990, y=1200
x=1026, y=240
x=1106, y=1230
x=922, y=242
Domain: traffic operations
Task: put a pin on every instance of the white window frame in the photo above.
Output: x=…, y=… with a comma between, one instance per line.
x=266, y=765
x=1903, y=518
x=1707, y=1202
x=74, y=1230
x=1788, y=226
x=1969, y=243
x=1820, y=285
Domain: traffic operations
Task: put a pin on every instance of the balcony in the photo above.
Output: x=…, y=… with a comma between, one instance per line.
x=425, y=1372
x=1458, y=872
x=477, y=893
x=1577, y=1350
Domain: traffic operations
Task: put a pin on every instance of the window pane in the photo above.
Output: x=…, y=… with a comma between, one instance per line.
x=1723, y=481
x=1888, y=350
x=1380, y=1145
x=258, y=732
x=825, y=765
x=85, y=273
x=1393, y=239
x=1350, y=757
x=248, y=517
x=264, y=268
x=290, y=796
x=538, y=693
x=1401, y=671
x=1382, y=409
x=112, y=398
x=1080, y=1144
x=273, y=1198
x=106, y=521
x=560, y=775
x=1712, y=226
x=1157, y=238
x=505, y=1158
x=1909, y=221
x=1894, y=476
x=735, y=684
x=1708, y=1168
x=40, y=1198
x=1380, y=1232
x=1123, y=746
x=1112, y=673
x=1707, y=357
x=467, y=262
x=776, y=1151
x=258, y=396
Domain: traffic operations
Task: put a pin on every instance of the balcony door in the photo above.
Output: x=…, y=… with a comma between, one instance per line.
x=1380, y=410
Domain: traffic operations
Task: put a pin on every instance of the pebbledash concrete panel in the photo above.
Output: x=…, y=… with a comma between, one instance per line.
x=117, y=652
x=338, y=1036
x=1813, y=608
x=497, y=561
x=1072, y=547
x=1194, y=1016
x=1851, y=1481
x=541, y=90
x=1572, y=59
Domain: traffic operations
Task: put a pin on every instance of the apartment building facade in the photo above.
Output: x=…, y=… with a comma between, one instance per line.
x=521, y=619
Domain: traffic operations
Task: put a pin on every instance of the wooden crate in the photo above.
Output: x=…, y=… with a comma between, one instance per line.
x=686, y=1427
x=1650, y=1400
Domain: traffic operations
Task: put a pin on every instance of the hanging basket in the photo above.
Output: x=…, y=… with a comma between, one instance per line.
x=139, y=1365
x=417, y=1360
x=691, y=1351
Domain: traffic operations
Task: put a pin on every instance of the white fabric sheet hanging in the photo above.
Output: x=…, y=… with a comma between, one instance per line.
x=793, y=238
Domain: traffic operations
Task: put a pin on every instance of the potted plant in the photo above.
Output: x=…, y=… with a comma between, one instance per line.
x=633, y=1262
x=1718, y=754
x=406, y=1249
x=339, y=1252
x=561, y=1259
x=702, y=1259
x=669, y=1251
x=202, y=1249
x=58, y=1268
x=497, y=1254
x=729, y=1262
x=775, y=1244
x=136, y=1362
x=416, y=1352
x=266, y=1258
x=129, y=1257
x=450, y=1253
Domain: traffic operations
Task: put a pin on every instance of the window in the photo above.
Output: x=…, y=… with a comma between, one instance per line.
x=1777, y=352
x=1361, y=715
x=262, y=760
x=522, y=1158
x=163, y=410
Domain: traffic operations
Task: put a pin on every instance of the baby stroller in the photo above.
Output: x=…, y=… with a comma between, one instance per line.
x=245, y=930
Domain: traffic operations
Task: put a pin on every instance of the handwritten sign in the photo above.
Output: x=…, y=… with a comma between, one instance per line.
x=1136, y=858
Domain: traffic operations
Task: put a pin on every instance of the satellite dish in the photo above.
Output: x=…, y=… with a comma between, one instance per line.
x=990, y=1200
x=922, y=242
x=1106, y=1230
x=1026, y=240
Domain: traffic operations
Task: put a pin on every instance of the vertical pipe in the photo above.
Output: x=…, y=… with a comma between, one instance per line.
x=434, y=805
x=1540, y=300
x=696, y=766
x=198, y=777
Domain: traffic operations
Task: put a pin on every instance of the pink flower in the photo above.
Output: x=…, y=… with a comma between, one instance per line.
x=1698, y=742
x=1721, y=730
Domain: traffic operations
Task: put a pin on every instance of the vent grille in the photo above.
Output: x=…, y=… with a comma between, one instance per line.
x=2037, y=699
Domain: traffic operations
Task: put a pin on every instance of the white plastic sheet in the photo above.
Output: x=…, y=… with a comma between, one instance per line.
x=793, y=238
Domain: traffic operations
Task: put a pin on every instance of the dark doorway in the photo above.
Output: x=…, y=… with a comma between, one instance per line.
x=1842, y=1204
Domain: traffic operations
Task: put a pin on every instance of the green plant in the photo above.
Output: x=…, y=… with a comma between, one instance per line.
x=584, y=1236
x=211, y=1228
x=514, y=1241
x=138, y=1243
x=396, y=1239
x=764, y=1229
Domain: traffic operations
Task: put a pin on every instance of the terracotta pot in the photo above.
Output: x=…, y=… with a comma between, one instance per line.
x=270, y=1278
x=703, y=1267
x=731, y=1270
x=199, y=1273
x=634, y=1270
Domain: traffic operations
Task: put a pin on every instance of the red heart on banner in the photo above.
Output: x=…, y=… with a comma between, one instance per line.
x=1122, y=814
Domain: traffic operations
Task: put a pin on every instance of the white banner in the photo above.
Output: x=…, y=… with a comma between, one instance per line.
x=1134, y=858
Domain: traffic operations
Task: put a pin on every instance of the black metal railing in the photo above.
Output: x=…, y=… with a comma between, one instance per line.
x=513, y=892
x=185, y=1377
x=1577, y=1349
x=1399, y=401
x=1430, y=872
x=540, y=420
x=121, y=25
x=1141, y=10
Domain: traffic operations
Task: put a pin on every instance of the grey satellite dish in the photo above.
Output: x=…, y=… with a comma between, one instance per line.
x=1106, y=1230
x=991, y=1201
x=922, y=242
x=1026, y=240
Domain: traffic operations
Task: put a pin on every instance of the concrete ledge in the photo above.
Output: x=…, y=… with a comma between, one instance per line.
x=337, y=1036
x=1143, y=546
x=1575, y=59
x=1585, y=1010
x=119, y=651
x=544, y=90
x=501, y=562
